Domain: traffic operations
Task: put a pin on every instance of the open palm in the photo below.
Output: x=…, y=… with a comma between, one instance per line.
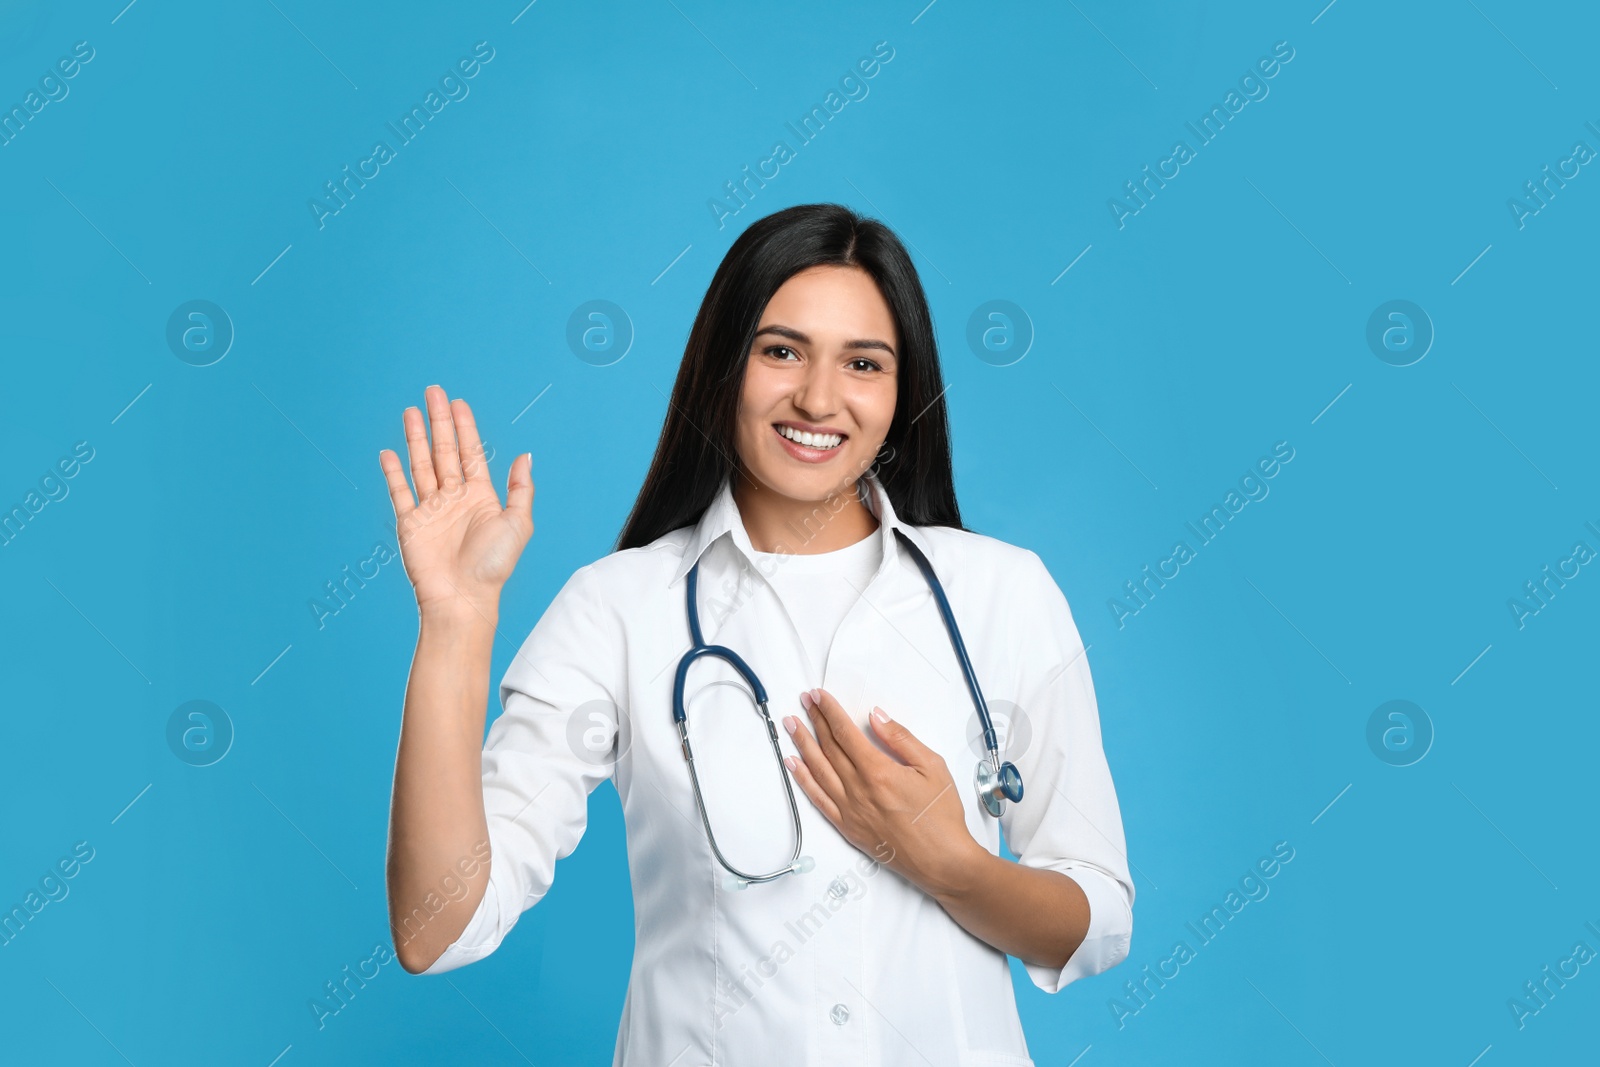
x=457, y=543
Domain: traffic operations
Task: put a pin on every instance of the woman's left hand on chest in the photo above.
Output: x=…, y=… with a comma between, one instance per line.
x=906, y=813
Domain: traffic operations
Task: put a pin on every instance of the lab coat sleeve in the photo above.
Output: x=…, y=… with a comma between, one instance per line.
x=551, y=746
x=1068, y=819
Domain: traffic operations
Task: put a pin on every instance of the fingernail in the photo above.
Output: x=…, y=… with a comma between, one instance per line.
x=878, y=716
x=791, y=723
x=791, y=762
x=816, y=696
x=806, y=699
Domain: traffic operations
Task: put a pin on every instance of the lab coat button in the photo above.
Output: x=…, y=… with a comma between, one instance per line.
x=840, y=1014
x=837, y=888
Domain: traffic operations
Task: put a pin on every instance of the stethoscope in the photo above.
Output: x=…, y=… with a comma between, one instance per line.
x=996, y=781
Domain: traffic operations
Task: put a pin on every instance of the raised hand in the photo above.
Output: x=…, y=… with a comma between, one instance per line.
x=457, y=543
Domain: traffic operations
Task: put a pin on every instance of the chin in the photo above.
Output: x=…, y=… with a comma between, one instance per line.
x=806, y=482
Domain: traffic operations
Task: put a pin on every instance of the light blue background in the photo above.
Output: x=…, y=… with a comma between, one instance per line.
x=1224, y=317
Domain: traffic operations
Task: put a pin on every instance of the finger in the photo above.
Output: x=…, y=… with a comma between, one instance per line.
x=399, y=491
x=816, y=760
x=809, y=786
x=838, y=734
x=901, y=741
x=442, y=428
x=422, y=475
x=519, y=490
x=473, y=466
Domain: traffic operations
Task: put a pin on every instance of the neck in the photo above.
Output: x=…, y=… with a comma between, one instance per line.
x=777, y=523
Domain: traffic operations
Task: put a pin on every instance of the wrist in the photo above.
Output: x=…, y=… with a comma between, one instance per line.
x=962, y=870
x=459, y=613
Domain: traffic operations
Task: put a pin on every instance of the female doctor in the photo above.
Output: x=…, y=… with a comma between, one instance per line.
x=793, y=583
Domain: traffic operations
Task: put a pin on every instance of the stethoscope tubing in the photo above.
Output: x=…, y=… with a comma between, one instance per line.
x=679, y=716
x=990, y=741
x=992, y=782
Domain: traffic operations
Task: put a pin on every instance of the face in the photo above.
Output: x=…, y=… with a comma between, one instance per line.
x=820, y=386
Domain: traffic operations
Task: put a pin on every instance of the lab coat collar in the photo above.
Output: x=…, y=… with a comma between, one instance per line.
x=722, y=518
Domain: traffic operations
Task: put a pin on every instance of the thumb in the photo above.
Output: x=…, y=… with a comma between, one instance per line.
x=901, y=741
x=519, y=488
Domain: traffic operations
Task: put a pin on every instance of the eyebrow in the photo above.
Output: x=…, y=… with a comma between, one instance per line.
x=795, y=335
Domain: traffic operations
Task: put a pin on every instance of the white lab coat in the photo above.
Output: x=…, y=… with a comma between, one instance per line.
x=848, y=963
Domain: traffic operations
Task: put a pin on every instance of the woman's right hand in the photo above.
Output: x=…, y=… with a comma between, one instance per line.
x=458, y=545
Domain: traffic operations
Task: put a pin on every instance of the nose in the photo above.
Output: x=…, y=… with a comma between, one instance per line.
x=817, y=395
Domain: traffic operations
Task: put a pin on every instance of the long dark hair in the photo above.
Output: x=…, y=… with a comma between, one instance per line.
x=696, y=452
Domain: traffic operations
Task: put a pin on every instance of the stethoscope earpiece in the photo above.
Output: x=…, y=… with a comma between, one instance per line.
x=733, y=883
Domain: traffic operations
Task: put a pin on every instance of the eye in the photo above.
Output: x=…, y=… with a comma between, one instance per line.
x=863, y=363
x=772, y=350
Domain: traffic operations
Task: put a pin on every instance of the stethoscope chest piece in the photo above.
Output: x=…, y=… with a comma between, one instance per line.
x=997, y=787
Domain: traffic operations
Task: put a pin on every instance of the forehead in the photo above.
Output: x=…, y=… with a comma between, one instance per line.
x=832, y=303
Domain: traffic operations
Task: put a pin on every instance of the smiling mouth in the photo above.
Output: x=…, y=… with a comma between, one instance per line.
x=816, y=442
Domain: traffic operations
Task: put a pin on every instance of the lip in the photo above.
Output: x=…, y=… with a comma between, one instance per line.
x=801, y=452
x=810, y=427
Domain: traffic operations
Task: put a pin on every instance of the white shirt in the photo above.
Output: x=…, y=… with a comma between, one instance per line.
x=848, y=963
x=817, y=590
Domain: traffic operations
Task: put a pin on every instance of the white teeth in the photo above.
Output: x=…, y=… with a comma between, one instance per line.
x=811, y=440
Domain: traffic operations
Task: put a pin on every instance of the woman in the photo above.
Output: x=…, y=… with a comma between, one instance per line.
x=802, y=475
